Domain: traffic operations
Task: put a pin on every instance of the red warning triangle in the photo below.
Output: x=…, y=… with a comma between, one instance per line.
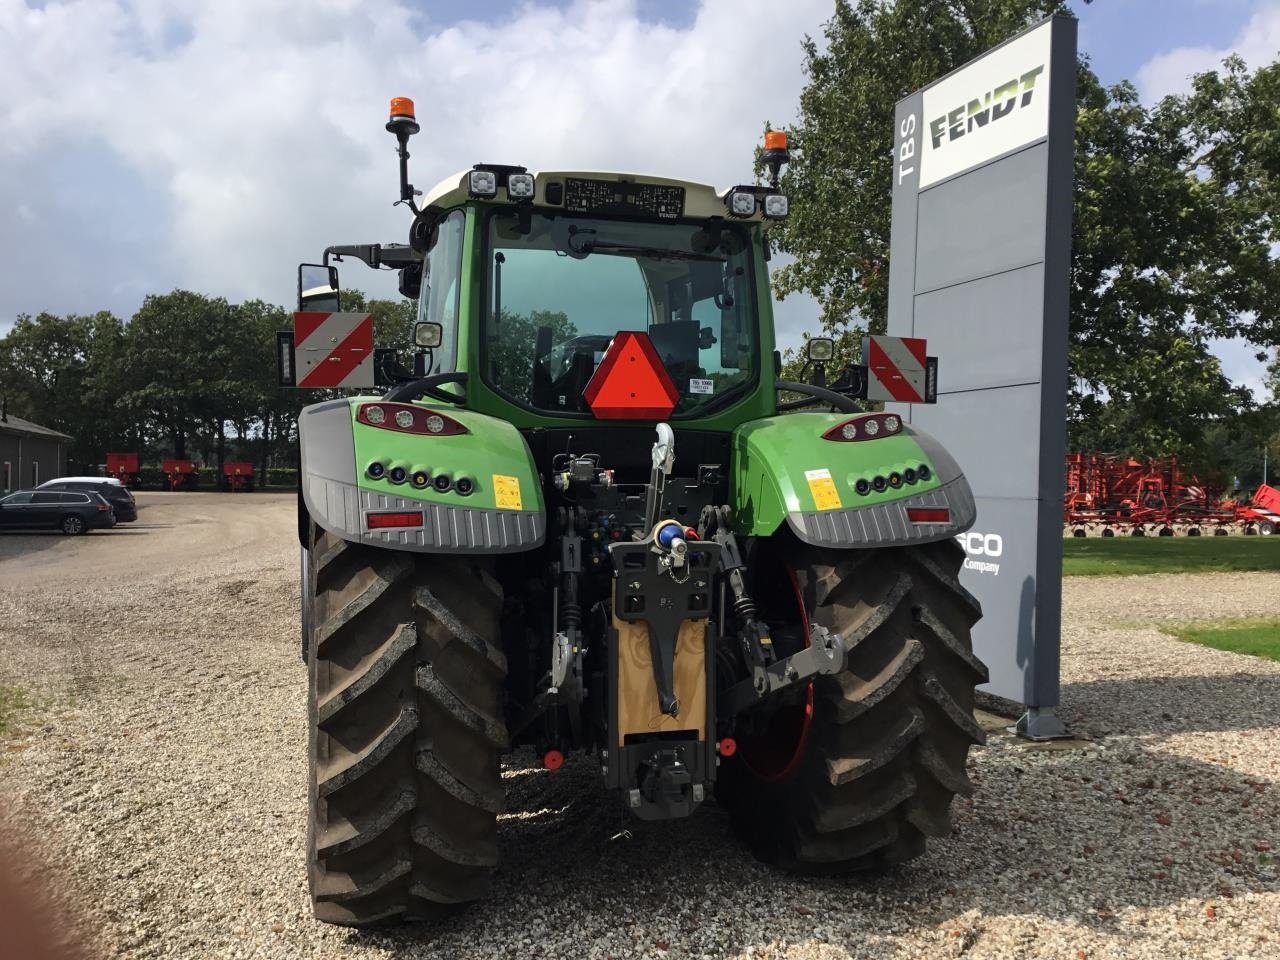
x=631, y=383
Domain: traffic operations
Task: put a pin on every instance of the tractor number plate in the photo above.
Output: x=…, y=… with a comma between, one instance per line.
x=601, y=196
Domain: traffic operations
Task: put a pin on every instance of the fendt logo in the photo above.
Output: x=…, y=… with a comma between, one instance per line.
x=989, y=108
x=982, y=545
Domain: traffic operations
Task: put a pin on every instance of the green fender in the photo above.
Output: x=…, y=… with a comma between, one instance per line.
x=501, y=510
x=784, y=470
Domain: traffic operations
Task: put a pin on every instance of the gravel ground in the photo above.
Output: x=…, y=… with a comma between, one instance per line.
x=163, y=777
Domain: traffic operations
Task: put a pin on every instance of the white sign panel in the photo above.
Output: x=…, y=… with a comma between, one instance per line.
x=981, y=111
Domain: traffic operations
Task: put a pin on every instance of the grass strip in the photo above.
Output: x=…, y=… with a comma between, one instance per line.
x=1103, y=556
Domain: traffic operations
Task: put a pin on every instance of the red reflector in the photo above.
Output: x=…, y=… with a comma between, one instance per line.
x=728, y=746
x=631, y=383
x=928, y=514
x=382, y=520
x=553, y=760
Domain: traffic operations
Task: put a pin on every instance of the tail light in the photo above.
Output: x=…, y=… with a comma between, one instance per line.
x=928, y=514
x=383, y=521
x=871, y=426
x=103, y=507
x=408, y=418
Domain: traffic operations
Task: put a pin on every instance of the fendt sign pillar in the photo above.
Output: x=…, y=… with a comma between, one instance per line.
x=979, y=266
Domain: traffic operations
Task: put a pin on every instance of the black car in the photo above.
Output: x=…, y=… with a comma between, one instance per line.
x=71, y=512
x=112, y=491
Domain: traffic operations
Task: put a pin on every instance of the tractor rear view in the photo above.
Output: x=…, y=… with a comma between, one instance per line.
x=579, y=518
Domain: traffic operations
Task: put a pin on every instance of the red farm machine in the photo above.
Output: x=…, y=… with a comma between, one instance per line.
x=237, y=476
x=180, y=474
x=125, y=468
x=1111, y=495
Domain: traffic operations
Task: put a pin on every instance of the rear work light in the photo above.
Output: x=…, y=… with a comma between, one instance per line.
x=482, y=183
x=928, y=514
x=776, y=206
x=741, y=203
x=407, y=418
x=382, y=521
x=868, y=427
x=520, y=186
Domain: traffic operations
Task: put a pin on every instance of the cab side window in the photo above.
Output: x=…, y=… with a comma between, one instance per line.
x=438, y=300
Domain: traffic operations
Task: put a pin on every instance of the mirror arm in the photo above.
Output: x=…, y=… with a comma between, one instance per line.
x=427, y=385
x=837, y=400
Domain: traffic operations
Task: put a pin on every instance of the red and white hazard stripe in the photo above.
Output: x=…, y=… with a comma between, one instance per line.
x=896, y=369
x=333, y=349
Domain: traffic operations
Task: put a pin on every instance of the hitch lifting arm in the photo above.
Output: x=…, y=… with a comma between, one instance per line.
x=825, y=654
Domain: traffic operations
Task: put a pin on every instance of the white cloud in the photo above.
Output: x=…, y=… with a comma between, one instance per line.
x=1170, y=72
x=1241, y=366
x=259, y=125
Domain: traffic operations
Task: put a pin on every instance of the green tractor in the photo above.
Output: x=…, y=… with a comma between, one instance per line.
x=585, y=521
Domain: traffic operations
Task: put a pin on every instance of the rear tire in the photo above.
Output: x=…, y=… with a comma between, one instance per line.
x=406, y=730
x=72, y=525
x=876, y=766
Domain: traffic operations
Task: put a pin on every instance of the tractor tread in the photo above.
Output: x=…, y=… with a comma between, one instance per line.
x=492, y=729
x=425, y=598
x=963, y=719
x=383, y=661
x=441, y=846
x=939, y=631
x=863, y=808
x=888, y=741
x=386, y=575
x=859, y=696
x=340, y=887
x=366, y=827
x=359, y=764
x=405, y=739
x=874, y=754
x=489, y=796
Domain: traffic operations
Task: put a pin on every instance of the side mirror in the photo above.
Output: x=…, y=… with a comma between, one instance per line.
x=318, y=288
x=428, y=334
x=411, y=281
x=820, y=349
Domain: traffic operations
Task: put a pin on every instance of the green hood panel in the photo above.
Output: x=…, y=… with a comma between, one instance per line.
x=503, y=513
x=785, y=471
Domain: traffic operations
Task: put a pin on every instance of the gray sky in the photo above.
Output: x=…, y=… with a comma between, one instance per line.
x=153, y=144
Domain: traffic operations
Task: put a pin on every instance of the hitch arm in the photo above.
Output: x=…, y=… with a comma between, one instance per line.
x=824, y=655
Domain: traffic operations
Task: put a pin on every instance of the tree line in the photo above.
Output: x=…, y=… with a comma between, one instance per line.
x=187, y=376
x=1174, y=224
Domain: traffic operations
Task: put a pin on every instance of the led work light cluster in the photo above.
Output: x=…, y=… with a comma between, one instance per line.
x=407, y=418
x=744, y=201
x=483, y=182
x=894, y=481
x=420, y=478
x=872, y=426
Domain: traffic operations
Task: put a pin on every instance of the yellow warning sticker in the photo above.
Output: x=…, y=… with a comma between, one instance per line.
x=823, y=488
x=506, y=492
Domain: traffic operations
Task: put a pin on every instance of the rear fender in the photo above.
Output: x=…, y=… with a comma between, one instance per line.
x=786, y=472
x=503, y=513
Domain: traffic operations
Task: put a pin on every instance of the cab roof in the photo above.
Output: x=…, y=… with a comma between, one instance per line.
x=701, y=200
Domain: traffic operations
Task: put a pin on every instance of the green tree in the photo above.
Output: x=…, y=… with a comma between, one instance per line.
x=180, y=349
x=1172, y=228
x=61, y=373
